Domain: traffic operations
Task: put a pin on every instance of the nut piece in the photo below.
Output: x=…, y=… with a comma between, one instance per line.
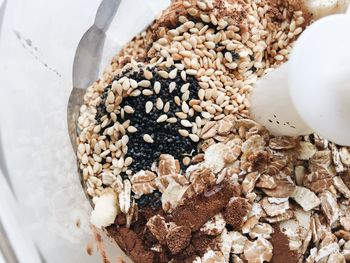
x=178, y=238
x=214, y=156
x=305, y=198
x=329, y=207
x=307, y=150
x=157, y=226
x=143, y=182
x=105, y=210
x=214, y=226
x=258, y=251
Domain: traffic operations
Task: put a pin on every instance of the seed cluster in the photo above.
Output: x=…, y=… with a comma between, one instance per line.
x=200, y=61
x=159, y=118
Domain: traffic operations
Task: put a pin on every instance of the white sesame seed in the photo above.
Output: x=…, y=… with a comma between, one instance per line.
x=191, y=71
x=209, y=44
x=133, y=83
x=173, y=32
x=173, y=73
x=279, y=57
x=172, y=120
x=166, y=107
x=186, y=123
x=162, y=118
x=157, y=87
x=181, y=115
x=172, y=86
x=125, y=140
x=298, y=31
x=183, y=132
x=128, y=161
x=126, y=84
x=194, y=137
x=206, y=115
x=144, y=83
x=163, y=74
x=205, y=18
x=147, y=92
x=81, y=148
x=148, y=74
x=147, y=138
x=177, y=100
x=183, y=75
x=186, y=53
x=149, y=106
x=185, y=87
x=128, y=109
x=110, y=97
x=120, y=163
x=105, y=153
x=164, y=53
x=131, y=129
x=159, y=104
x=186, y=95
x=184, y=107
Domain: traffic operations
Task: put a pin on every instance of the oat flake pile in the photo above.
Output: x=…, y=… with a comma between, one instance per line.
x=176, y=169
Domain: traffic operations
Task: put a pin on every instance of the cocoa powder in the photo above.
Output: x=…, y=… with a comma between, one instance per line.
x=178, y=239
x=235, y=211
x=197, y=211
x=128, y=240
x=281, y=251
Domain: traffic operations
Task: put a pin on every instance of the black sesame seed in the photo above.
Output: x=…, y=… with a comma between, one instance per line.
x=167, y=139
x=152, y=201
x=253, y=69
x=235, y=56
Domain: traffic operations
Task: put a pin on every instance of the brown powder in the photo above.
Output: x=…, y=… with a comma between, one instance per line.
x=178, y=239
x=281, y=251
x=128, y=240
x=235, y=211
x=202, y=242
x=197, y=211
x=100, y=245
x=185, y=256
x=89, y=249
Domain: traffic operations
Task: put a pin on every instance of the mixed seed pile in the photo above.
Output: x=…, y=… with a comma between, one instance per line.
x=167, y=126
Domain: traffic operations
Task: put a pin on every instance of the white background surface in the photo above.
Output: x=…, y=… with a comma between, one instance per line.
x=37, y=46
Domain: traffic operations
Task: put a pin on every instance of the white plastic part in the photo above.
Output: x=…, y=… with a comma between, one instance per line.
x=312, y=91
x=272, y=105
x=319, y=77
x=322, y=8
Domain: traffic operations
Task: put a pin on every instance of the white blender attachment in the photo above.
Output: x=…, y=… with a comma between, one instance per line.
x=311, y=92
